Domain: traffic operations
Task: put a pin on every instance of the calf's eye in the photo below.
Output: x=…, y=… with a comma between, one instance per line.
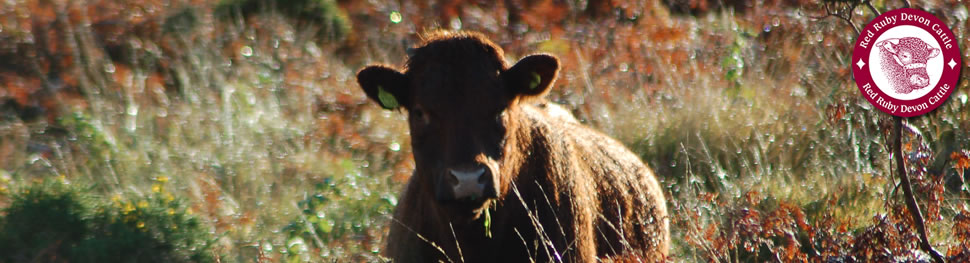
x=420, y=116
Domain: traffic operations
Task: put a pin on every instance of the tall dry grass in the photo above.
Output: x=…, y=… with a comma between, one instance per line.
x=749, y=116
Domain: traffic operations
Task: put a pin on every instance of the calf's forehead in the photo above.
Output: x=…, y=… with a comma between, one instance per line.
x=458, y=88
x=452, y=72
x=915, y=46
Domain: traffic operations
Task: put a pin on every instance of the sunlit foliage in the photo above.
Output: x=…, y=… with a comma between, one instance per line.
x=250, y=113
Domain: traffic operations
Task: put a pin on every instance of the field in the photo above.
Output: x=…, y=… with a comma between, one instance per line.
x=237, y=127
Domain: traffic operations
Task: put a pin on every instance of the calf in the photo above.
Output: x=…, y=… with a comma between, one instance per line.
x=502, y=177
x=904, y=63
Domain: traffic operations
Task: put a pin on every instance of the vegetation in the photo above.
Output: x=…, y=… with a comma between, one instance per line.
x=52, y=221
x=322, y=14
x=249, y=125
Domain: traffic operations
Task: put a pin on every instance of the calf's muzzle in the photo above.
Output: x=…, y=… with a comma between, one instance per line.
x=466, y=184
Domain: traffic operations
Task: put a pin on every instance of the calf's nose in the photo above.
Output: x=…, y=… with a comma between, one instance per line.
x=919, y=80
x=468, y=183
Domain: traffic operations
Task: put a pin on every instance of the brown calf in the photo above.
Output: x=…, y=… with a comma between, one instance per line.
x=501, y=177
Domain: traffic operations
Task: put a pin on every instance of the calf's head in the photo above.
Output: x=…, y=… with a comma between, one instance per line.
x=458, y=92
x=910, y=54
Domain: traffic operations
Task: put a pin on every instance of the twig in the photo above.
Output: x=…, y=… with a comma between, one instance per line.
x=309, y=226
x=531, y=258
x=875, y=12
x=457, y=245
x=833, y=9
x=432, y=243
x=540, y=231
x=908, y=191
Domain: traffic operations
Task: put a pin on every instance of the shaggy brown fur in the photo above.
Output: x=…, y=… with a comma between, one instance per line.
x=562, y=191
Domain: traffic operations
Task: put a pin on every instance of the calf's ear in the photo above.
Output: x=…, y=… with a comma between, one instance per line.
x=532, y=75
x=387, y=86
x=889, y=44
x=933, y=52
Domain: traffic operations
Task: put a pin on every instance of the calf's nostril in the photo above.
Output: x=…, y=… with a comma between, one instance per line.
x=482, y=178
x=452, y=179
x=918, y=80
x=466, y=176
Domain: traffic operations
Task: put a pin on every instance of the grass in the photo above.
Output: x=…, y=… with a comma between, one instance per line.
x=751, y=119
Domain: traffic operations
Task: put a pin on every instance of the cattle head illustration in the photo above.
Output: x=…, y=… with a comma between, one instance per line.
x=904, y=62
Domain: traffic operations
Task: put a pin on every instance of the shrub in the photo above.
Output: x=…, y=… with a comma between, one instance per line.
x=323, y=14
x=56, y=222
x=335, y=217
x=42, y=223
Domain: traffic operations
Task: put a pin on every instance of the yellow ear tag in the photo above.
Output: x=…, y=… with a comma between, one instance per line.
x=536, y=79
x=386, y=99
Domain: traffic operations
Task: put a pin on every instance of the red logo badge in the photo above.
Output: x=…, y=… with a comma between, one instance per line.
x=906, y=62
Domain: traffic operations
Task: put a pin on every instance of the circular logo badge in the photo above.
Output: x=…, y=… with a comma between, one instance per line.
x=906, y=62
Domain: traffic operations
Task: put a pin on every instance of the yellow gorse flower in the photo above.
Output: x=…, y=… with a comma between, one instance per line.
x=127, y=208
